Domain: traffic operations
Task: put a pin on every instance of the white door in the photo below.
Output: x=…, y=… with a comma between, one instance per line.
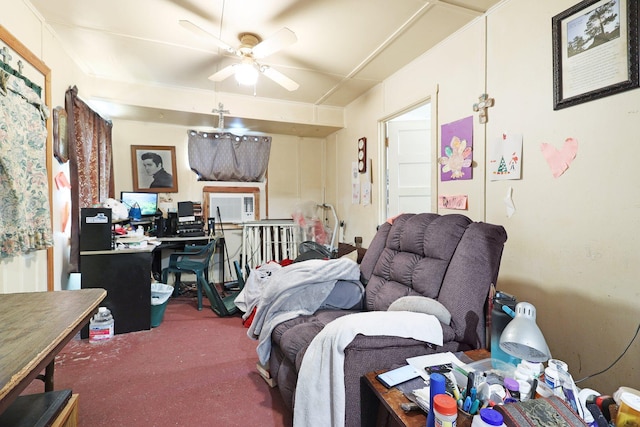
x=409, y=165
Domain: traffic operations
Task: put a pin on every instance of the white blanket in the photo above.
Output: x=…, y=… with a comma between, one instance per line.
x=293, y=291
x=249, y=296
x=320, y=396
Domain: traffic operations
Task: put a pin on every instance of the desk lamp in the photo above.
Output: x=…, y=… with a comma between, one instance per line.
x=522, y=338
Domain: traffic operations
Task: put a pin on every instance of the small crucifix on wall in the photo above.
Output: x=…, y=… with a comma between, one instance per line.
x=221, y=112
x=482, y=106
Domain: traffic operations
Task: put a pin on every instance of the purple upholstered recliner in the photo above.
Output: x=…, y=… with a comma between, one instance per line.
x=448, y=258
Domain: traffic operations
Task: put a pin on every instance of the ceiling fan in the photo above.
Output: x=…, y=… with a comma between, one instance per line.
x=251, y=49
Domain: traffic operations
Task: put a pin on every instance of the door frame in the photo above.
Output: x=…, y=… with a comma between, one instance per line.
x=382, y=152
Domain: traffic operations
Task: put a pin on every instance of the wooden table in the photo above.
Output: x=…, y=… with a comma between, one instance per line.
x=391, y=414
x=34, y=327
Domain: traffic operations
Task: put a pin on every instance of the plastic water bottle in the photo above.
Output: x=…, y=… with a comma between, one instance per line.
x=499, y=320
x=488, y=418
x=101, y=326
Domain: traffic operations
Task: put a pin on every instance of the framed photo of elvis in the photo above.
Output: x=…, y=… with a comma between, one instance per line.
x=154, y=168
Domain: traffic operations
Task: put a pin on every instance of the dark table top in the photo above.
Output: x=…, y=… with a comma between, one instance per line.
x=392, y=398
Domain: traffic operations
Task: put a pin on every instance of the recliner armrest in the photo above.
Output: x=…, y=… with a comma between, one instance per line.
x=374, y=343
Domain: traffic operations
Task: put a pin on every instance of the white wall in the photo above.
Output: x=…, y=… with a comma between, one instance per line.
x=29, y=273
x=453, y=84
x=361, y=121
x=295, y=174
x=572, y=248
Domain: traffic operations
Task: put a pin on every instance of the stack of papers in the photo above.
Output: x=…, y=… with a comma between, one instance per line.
x=421, y=363
x=135, y=241
x=413, y=379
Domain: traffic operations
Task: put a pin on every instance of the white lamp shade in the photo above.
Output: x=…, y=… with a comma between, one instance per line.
x=522, y=338
x=246, y=74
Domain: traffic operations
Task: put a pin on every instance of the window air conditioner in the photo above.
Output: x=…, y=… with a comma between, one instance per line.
x=234, y=207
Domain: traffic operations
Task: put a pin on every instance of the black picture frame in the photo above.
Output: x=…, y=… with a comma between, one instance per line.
x=145, y=183
x=589, y=64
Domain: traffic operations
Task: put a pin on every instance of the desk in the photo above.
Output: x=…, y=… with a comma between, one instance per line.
x=35, y=327
x=126, y=276
x=390, y=413
x=188, y=239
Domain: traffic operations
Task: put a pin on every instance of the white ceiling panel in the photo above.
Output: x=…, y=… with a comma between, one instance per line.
x=343, y=47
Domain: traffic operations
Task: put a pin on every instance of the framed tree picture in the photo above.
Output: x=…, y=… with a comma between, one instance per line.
x=154, y=168
x=595, y=51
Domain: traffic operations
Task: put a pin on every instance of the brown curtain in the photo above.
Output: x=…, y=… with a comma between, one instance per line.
x=227, y=157
x=90, y=164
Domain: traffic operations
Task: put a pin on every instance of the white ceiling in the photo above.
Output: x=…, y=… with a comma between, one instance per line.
x=343, y=47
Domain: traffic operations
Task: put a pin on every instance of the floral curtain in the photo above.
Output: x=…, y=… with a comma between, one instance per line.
x=90, y=164
x=227, y=157
x=25, y=219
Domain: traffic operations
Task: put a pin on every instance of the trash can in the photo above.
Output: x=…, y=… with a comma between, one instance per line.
x=160, y=294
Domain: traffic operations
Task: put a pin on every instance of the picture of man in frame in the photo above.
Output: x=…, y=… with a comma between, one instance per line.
x=153, y=166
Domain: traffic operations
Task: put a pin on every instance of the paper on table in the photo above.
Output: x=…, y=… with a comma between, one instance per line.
x=398, y=376
x=421, y=362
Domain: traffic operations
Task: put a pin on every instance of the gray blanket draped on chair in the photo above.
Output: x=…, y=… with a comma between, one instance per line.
x=293, y=291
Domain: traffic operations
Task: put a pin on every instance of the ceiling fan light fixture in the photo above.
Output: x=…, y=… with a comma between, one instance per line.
x=246, y=74
x=251, y=49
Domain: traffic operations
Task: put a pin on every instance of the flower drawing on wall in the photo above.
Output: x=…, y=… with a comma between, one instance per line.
x=456, y=145
x=458, y=156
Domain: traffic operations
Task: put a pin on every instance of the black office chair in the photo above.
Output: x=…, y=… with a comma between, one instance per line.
x=195, y=260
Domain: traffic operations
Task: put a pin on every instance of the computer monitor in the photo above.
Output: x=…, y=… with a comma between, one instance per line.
x=148, y=202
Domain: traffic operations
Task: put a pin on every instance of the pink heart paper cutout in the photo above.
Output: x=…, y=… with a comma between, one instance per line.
x=559, y=161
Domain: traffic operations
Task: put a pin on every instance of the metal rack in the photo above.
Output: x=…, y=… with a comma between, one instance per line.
x=269, y=240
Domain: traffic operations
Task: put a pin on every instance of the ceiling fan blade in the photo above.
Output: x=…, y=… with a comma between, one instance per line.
x=223, y=74
x=205, y=34
x=283, y=38
x=280, y=78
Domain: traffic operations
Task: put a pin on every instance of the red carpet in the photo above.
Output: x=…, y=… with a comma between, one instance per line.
x=195, y=369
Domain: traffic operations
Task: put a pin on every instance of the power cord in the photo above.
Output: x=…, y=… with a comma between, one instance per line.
x=615, y=361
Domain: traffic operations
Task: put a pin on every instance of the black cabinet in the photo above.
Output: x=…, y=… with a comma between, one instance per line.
x=126, y=276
